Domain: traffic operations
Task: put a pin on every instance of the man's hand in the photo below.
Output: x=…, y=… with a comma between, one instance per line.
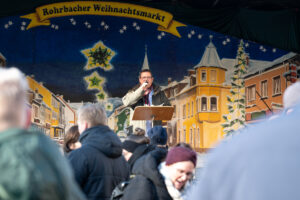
x=144, y=85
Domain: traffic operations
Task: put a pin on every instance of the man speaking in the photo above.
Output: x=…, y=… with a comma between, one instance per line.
x=143, y=94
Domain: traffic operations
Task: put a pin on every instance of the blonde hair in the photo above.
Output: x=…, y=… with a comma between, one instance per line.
x=13, y=91
x=94, y=114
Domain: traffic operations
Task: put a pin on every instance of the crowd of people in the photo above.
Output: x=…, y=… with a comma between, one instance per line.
x=259, y=163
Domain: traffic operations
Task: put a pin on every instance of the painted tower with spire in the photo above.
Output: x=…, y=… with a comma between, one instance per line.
x=202, y=102
x=145, y=63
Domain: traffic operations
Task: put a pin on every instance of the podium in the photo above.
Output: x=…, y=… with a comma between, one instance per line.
x=156, y=113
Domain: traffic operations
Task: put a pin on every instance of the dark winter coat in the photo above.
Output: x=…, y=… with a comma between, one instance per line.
x=99, y=165
x=140, y=151
x=148, y=183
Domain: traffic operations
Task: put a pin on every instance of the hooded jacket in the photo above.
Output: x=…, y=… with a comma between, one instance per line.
x=140, y=151
x=99, y=165
x=148, y=183
x=33, y=168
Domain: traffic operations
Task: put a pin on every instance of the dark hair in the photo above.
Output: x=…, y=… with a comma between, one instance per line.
x=145, y=70
x=183, y=144
x=71, y=137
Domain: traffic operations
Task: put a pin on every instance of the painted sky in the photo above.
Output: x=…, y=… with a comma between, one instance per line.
x=53, y=53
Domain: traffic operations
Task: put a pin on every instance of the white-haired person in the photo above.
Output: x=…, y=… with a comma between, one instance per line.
x=31, y=165
x=98, y=164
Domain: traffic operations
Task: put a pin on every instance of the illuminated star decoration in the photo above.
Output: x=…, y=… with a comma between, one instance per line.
x=101, y=96
x=108, y=106
x=95, y=81
x=99, y=56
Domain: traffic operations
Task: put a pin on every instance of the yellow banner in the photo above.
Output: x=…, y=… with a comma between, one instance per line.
x=160, y=17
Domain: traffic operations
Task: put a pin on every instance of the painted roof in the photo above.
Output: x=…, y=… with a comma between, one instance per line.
x=210, y=57
x=258, y=69
x=229, y=63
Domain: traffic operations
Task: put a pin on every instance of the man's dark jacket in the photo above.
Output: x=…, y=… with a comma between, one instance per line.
x=99, y=165
x=148, y=183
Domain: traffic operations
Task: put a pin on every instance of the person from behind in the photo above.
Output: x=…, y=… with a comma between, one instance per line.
x=260, y=163
x=71, y=140
x=98, y=164
x=161, y=180
x=158, y=136
x=135, y=146
x=291, y=97
x=31, y=165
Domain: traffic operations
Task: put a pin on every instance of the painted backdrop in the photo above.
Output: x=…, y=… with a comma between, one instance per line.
x=92, y=52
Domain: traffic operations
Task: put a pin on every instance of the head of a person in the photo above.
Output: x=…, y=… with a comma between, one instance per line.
x=133, y=141
x=14, y=110
x=158, y=136
x=71, y=139
x=291, y=96
x=183, y=144
x=91, y=115
x=146, y=76
x=180, y=164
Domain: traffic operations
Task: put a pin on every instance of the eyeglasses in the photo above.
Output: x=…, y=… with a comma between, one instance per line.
x=146, y=77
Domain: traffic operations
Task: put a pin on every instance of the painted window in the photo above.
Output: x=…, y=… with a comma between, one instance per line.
x=264, y=88
x=174, y=115
x=276, y=85
x=213, y=75
x=184, y=111
x=194, y=136
x=192, y=109
x=191, y=136
x=213, y=103
x=54, y=115
x=203, y=75
x=35, y=111
x=198, y=138
x=188, y=107
x=184, y=135
x=251, y=93
x=203, y=104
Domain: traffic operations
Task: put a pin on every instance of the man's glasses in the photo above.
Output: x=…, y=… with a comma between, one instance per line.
x=146, y=77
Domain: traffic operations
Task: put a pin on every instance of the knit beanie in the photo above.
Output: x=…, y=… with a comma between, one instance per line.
x=158, y=135
x=180, y=154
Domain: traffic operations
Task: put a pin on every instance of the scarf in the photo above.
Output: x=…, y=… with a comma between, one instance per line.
x=174, y=193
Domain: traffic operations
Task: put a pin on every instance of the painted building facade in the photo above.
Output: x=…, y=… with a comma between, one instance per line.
x=47, y=110
x=69, y=117
x=200, y=101
x=265, y=88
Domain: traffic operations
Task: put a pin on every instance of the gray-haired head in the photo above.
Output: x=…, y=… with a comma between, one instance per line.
x=291, y=96
x=13, y=91
x=93, y=114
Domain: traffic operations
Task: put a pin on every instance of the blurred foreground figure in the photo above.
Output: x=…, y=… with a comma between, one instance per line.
x=98, y=164
x=30, y=163
x=260, y=163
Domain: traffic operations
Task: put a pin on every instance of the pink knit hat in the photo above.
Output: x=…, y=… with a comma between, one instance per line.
x=179, y=154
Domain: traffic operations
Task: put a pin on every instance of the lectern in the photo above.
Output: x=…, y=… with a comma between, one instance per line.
x=156, y=113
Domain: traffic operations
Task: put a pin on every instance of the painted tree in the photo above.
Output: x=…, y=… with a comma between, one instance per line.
x=236, y=102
